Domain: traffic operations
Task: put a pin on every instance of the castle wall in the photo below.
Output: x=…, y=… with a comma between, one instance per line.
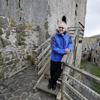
x=45, y=13
x=16, y=45
x=24, y=24
x=95, y=57
x=73, y=10
x=27, y=11
x=67, y=8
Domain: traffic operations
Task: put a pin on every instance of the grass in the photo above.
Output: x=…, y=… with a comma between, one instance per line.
x=93, y=65
x=83, y=64
x=95, y=85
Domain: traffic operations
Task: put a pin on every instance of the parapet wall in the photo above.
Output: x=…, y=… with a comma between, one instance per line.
x=16, y=45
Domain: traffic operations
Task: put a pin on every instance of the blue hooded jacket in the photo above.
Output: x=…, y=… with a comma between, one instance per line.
x=58, y=45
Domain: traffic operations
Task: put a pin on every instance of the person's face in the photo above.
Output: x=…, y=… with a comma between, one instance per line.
x=62, y=28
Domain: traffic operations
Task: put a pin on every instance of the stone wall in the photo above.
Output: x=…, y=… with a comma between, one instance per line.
x=91, y=40
x=45, y=13
x=27, y=11
x=16, y=45
x=19, y=33
x=95, y=57
x=85, y=56
x=59, y=8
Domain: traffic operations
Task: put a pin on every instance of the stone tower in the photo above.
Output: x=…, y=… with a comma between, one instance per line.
x=24, y=24
x=45, y=13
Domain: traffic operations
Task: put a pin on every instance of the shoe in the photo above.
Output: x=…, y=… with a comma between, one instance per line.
x=54, y=87
x=49, y=86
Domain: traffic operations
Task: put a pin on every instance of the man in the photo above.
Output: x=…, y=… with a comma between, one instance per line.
x=60, y=45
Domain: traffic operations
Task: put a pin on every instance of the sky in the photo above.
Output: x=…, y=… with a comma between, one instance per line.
x=92, y=19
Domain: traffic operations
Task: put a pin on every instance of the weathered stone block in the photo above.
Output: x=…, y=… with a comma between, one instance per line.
x=13, y=25
x=23, y=38
x=13, y=56
x=23, y=43
x=18, y=30
x=22, y=47
x=2, y=97
x=10, y=62
x=7, y=34
x=28, y=26
x=46, y=25
x=2, y=66
x=3, y=21
x=7, y=59
x=16, y=60
x=27, y=52
x=1, y=45
x=28, y=57
x=22, y=26
x=1, y=62
x=5, y=42
x=13, y=21
x=1, y=32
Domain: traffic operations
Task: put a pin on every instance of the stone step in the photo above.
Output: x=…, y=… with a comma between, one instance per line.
x=43, y=85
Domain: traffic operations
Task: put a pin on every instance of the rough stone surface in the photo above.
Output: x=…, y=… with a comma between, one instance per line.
x=41, y=13
x=16, y=44
x=20, y=87
x=1, y=31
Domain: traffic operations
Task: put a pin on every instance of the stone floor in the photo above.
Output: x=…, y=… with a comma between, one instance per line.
x=20, y=87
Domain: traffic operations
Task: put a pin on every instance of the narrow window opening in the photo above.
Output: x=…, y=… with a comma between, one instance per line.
x=84, y=55
x=7, y=2
x=80, y=41
x=19, y=3
x=64, y=19
x=20, y=19
x=96, y=51
x=76, y=10
x=94, y=60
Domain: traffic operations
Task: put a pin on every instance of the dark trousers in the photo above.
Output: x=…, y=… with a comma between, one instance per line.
x=55, y=71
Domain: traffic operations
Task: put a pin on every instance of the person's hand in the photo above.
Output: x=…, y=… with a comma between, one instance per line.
x=67, y=51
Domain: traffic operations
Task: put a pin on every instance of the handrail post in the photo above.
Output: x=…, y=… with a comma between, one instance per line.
x=67, y=58
x=64, y=77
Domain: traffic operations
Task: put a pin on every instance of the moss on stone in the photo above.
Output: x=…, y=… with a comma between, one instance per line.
x=28, y=57
x=13, y=57
x=47, y=35
x=26, y=52
x=23, y=39
x=15, y=69
x=4, y=54
x=99, y=49
x=22, y=47
x=12, y=21
x=28, y=25
x=1, y=31
x=46, y=25
x=29, y=37
x=3, y=66
x=1, y=75
x=3, y=60
x=16, y=61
